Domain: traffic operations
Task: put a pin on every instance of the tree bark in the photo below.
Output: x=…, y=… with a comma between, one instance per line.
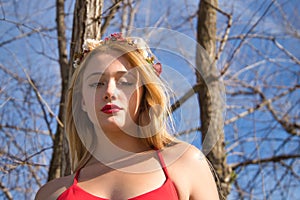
x=86, y=24
x=210, y=96
x=60, y=164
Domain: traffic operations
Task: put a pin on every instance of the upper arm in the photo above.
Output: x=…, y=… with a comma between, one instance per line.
x=202, y=182
x=53, y=189
x=191, y=173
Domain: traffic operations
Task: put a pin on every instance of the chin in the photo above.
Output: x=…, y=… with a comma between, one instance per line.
x=111, y=124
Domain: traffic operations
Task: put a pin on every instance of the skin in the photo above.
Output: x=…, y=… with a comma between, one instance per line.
x=186, y=165
x=115, y=82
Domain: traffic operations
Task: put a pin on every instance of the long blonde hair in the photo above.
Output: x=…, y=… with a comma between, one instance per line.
x=156, y=135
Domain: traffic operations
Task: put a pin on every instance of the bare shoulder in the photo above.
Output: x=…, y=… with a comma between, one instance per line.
x=184, y=153
x=191, y=172
x=193, y=157
x=54, y=188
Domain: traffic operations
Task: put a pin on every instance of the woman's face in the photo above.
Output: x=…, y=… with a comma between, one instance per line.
x=112, y=93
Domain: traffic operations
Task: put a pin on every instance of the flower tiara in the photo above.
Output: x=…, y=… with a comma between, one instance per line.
x=138, y=43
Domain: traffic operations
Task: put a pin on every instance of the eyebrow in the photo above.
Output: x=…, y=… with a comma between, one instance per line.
x=103, y=73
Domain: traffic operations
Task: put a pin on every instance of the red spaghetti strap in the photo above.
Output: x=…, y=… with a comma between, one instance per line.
x=166, y=191
x=162, y=163
x=76, y=177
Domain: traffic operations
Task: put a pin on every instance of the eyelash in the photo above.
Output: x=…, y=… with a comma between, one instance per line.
x=99, y=84
x=96, y=85
x=126, y=83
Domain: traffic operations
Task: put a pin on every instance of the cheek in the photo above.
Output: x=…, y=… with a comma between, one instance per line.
x=90, y=104
x=97, y=97
x=89, y=100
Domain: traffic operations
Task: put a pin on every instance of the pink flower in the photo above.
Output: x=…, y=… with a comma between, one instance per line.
x=158, y=68
x=116, y=37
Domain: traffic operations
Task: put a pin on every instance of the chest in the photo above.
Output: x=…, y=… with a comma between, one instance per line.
x=120, y=185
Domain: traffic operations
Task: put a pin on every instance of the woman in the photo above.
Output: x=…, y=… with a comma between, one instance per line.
x=116, y=121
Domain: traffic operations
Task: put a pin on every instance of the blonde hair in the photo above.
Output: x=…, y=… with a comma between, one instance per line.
x=155, y=134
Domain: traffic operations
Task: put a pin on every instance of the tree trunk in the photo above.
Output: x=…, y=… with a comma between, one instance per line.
x=86, y=24
x=210, y=95
x=60, y=162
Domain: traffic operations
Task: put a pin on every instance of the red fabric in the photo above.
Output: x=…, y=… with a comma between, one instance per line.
x=166, y=191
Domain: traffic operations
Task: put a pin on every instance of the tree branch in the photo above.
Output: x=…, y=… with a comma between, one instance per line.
x=186, y=96
x=289, y=54
x=264, y=160
x=187, y=131
x=13, y=75
x=236, y=50
x=107, y=19
x=26, y=130
x=226, y=33
x=264, y=102
x=43, y=102
x=6, y=192
x=23, y=35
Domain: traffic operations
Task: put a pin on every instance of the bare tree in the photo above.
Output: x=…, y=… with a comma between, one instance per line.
x=59, y=160
x=262, y=124
x=210, y=94
x=28, y=105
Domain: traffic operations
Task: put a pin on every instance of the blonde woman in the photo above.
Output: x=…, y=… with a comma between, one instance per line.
x=117, y=125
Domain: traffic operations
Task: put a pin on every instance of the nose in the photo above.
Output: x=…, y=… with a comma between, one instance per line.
x=110, y=90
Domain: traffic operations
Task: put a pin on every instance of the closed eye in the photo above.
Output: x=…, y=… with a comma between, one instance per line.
x=97, y=84
x=125, y=83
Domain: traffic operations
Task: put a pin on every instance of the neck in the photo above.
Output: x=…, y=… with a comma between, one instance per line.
x=115, y=145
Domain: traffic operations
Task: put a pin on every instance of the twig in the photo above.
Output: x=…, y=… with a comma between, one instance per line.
x=41, y=99
x=289, y=54
x=25, y=35
x=187, y=131
x=236, y=50
x=264, y=160
x=6, y=192
x=112, y=10
x=27, y=130
x=265, y=102
x=226, y=33
x=185, y=97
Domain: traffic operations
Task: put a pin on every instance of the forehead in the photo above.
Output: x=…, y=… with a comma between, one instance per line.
x=107, y=63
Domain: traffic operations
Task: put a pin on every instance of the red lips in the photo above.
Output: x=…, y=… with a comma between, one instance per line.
x=110, y=109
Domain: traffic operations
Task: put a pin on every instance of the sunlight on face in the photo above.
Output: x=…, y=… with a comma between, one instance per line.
x=111, y=92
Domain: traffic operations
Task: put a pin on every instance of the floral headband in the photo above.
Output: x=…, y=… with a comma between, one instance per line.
x=138, y=43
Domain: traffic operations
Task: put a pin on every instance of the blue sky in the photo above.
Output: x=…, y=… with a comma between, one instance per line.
x=259, y=63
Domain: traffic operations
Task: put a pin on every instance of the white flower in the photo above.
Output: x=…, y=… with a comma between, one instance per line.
x=142, y=47
x=91, y=44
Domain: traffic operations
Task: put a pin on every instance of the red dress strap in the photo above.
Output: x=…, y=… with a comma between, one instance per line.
x=166, y=191
x=75, y=181
x=162, y=163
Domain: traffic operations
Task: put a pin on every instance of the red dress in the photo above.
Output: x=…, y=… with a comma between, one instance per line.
x=166, y=191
